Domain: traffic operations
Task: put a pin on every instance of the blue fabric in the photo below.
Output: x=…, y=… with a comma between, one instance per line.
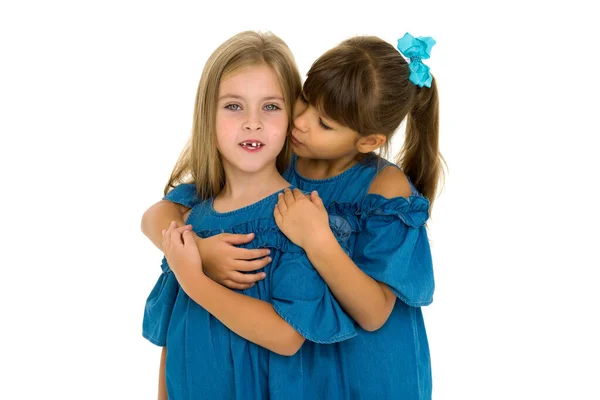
x=388, y=241
x=160, y=302
x=184, y=194
x=393, y=248
x=159, y=306
x=207, y=360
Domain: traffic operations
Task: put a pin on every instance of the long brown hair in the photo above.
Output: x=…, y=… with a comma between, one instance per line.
x=200, y=161
x=363, y=84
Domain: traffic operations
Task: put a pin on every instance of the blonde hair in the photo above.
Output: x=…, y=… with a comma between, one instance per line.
x=363, y=84
x=200, y=161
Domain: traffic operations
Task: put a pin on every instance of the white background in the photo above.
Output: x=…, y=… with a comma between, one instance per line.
x=96, y=102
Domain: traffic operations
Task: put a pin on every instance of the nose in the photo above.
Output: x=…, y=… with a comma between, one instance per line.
x=253, y=122
x=300, y=117
x=300, y=124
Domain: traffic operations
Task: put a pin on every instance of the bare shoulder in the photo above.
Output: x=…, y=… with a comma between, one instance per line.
x=391, y=182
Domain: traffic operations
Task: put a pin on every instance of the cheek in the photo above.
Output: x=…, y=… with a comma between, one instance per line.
x=313, y=135
x=226, y=129
x=278, y=126
x=226, y=124
x=277, y=140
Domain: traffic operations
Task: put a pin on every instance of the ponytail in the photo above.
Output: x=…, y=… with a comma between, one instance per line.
x=420, y=157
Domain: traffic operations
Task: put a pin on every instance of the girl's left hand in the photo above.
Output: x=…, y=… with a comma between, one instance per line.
x=304, y=221
x=181, y=252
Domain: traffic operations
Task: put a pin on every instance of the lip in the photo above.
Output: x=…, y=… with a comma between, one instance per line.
x=295, y=141
x=248, y=149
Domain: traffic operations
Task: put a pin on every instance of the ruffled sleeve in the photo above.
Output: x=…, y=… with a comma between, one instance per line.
x=184, y=194
x=159, y=306
x=303, y=299
x=392, y=246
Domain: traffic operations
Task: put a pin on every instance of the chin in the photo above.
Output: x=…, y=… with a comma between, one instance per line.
x=299, y=151
x=252, y=167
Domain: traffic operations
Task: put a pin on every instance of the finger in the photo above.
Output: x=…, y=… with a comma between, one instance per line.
x=188, y=239
x=288, y=195
x=314, y=197
x=169, y=230
x=184, y=228
x=239, y=278
x=166, y=242
x=175, y=236
x=233, y=238
x=298, y=195
x=237, y=286
x=250, y=254
x=277, y=215
x=249, y=266
x=281, y=203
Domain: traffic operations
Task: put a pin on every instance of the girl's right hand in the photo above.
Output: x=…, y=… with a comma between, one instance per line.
x=224, y=263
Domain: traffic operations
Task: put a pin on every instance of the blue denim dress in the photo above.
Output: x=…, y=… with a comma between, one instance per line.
x=388, y=241
x=206, y=360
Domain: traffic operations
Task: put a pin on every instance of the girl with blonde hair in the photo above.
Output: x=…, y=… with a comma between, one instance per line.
x=225, y=344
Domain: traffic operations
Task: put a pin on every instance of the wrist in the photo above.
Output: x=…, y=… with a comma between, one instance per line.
x=204, y=249
x=191, y=279
x=319, y=240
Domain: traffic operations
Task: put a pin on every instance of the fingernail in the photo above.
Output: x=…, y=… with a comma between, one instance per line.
x=270, y=259
x=263, y=275
x=268, y=251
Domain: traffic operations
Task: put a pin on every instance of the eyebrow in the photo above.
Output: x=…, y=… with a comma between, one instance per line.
x=234, y=96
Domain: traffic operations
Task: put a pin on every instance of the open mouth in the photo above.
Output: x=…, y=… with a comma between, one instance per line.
x=251, y=145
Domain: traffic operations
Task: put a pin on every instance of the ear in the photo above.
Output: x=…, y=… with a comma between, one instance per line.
x=369, y=143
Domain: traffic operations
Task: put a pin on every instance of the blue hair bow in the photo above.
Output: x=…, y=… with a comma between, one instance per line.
x=417, y=49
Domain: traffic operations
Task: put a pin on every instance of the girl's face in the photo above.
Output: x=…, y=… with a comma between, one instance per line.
x=318, y=137
x=251, y=119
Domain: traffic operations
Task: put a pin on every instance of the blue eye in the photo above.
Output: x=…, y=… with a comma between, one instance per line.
x=232, y=107
x=272, y=107
x=323, y=125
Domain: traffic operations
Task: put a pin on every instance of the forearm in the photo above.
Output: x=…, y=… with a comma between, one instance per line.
x=366, y=300
x=159, y=217
x=253, y=319
x=162, y=379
